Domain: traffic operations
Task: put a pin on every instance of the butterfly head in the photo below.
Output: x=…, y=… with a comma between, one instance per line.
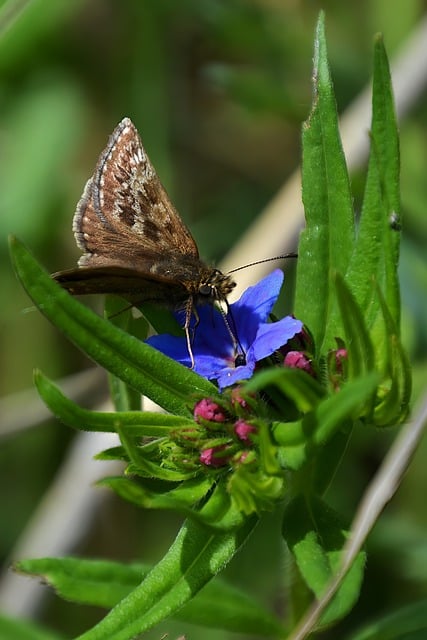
x=215, y=286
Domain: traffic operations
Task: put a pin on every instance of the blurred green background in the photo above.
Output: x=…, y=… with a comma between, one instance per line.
x=218, y=91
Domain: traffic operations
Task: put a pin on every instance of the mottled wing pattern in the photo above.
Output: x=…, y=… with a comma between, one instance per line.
x=133, y=240
x=124, y=216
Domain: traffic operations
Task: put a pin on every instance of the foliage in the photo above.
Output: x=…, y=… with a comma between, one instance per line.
x=279, y=436
x=352, y=376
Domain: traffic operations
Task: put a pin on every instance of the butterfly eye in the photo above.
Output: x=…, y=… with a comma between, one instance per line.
x=206, y=290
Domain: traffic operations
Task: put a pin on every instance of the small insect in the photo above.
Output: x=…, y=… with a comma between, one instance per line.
x=134, y=242
x=394, y=221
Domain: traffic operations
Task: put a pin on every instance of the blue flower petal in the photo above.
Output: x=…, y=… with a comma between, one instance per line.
x=271, y=337
x=261, y=297
x=172, y=346
x=229, y=376
x=255, y=305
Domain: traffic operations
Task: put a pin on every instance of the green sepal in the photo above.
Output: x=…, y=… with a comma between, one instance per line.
x=183, y=498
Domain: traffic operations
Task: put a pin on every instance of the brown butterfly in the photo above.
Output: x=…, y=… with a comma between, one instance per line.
x=134, y=242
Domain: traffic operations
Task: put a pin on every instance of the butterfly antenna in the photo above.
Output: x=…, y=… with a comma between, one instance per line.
x=31, y=309
x=252, y=264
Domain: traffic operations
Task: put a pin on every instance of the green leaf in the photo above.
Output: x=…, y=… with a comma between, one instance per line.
x=304, y=391
x=392, y=402
x=221, y=512
x=195, y=557
x=104, y=584
x=182, y=499
x=135, y=423
x=376, y=254
x=385, y=144
x=316, y=536
x=95, y=582
x=11, y=629
x=143, y=368
x=409, y=622
x=326, y=243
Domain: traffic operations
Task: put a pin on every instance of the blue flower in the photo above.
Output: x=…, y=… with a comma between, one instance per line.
x=213, y=348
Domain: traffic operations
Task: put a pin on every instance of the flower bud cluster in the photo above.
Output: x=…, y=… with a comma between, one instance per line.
x=222, y=435
x=230, y=430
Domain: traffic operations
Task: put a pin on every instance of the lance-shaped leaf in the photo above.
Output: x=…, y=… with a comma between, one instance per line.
x=133, y=423
x=316, y=536
x=327, y=241
x=149, y=372
x=195, y=557
x=103, y=584
x=376, y=253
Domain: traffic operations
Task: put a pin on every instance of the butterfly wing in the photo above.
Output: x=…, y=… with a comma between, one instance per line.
x=127, y=283
x=133, y=240
x=124, y=217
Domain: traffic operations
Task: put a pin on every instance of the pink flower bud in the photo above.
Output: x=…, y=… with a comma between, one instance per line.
x=237, y=399
x=212, y=457
x=340, y=356
x=207, y=409
x=297, y=360
x=243, y=430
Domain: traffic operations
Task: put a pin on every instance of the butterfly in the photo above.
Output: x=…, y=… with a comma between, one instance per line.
x=134, y=241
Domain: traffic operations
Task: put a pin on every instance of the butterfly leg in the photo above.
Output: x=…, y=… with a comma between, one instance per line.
x=189, y=310
x=239, y=352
